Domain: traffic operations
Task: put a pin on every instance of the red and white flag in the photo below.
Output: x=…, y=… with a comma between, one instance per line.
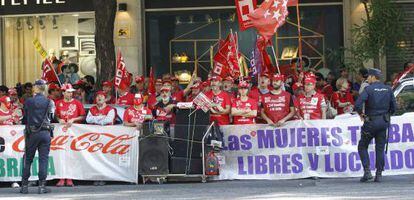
x=49, y=75
x=244, y=8
x=122, y=76
x=269, y=17
x=229, y=51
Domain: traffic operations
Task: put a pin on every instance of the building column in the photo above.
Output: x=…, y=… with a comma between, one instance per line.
x=132, y=47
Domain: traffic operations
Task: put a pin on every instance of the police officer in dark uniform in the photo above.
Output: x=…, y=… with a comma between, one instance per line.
x=38, y=112
x=380, y=104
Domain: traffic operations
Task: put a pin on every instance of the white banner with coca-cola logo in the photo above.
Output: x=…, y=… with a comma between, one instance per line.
x=81, y=152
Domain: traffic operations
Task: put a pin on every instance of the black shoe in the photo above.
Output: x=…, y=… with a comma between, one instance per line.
x=378, y=176
x=367, y=176
x=25, y=187
x=42, y=188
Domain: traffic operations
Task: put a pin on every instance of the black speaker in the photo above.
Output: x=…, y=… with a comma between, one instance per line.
x=153, y=155
x=186, y=140
x=180, y=165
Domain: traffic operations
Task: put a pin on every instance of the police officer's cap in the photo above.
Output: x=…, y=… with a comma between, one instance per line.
x=40, y=82
x=374, y=72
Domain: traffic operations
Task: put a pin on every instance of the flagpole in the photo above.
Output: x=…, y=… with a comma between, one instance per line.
x=300, y=36
x=277, y=63
x=54, y=71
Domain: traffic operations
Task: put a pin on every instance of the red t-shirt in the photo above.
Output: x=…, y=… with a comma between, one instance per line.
x=161, y=113
x=178, y=96
x=249, y=104
x=8, y=113
x=343, y=98
x=152, y=101
x=256, y=94
x=132, y=115
x=328, y=91
x=224, y=100
x=69, y=110
x=277, y=106
x=311, y=107
x=95, y=111
x=126, y=100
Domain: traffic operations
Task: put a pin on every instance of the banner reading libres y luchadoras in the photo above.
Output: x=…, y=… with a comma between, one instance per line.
x=81, y=152
x=301, y=149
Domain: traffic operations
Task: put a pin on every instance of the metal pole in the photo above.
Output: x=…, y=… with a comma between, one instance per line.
x=277, y=62
x=300, y=36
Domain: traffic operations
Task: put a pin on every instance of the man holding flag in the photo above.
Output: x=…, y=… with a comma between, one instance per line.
x=122, y=83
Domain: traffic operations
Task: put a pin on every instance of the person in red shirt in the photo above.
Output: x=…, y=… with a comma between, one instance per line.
x=244, y=108
x=175, y=84
x=7, y=116
x=324, y=87
x=221, y=102
x=80, y=92
x=69, y=111
x=262, y=89
x=107, y=88
x=154, y=98
x=257, y=93
x=177, y=94
x=16, y=106
x=342, y=100
x=228, y=84
x=125, y=98
x=55, y=93
x=195, y=90
x=137, y=114
x=139, y=85
x=277, y=105
x=101, y=114
x=206, y=85
x=165, y=108
x=312, y=105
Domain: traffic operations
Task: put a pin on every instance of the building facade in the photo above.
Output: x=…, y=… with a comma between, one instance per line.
x=157, y=33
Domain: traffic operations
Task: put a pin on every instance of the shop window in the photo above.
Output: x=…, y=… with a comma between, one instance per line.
x=69, y=37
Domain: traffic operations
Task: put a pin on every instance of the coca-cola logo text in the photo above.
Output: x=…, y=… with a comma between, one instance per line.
x=105, y=143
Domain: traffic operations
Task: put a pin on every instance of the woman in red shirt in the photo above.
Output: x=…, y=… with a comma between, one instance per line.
x=342, y=100
x=244, y=109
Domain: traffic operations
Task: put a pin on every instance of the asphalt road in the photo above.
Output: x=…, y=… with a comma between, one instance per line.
x=393, y=187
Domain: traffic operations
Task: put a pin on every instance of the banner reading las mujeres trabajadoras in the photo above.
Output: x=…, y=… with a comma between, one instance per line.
x=300, y=149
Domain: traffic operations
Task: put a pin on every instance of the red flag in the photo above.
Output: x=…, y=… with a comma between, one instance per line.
x=122, y=76
x=151, y=84
x=292, y=3
x=244, y=8
x=269, y=17
x=229, y=51
x=49, y=75
x=402, y=75
x=267, y=64
x=221, y=67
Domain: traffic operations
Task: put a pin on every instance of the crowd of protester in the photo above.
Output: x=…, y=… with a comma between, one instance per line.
x=268, y=99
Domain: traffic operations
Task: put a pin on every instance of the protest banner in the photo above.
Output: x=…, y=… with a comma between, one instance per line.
x=319, y=148
x=81, y=152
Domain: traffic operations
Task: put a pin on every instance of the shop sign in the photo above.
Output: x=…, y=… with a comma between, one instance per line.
x=20, y=7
